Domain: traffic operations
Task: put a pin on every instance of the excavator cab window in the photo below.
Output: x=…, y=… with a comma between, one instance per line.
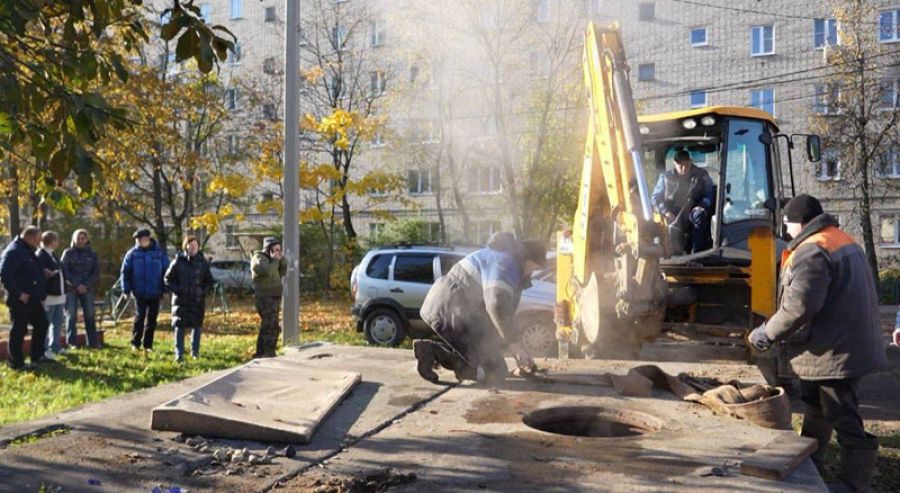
x=747, y=180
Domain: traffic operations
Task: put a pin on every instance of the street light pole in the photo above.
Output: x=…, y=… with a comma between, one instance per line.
x=291, y=185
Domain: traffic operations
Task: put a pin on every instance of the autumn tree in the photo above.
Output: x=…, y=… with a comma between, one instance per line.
x=857, y=108
x=56, y=59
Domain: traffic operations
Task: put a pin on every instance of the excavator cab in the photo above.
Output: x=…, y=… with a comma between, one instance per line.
x=620, y=282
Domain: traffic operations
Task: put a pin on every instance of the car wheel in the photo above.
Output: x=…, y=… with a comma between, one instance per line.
x=384, y=327
x=538, y=336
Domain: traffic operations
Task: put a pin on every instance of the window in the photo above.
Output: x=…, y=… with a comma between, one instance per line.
x=698, y=37
x=377, y=33
x=485, y=179
x=484, y=230
x=231, y=238
x=413, y=73
x=762, y=41
x=647, y=71
x=237, y=9
x=890, y=229
x=378, y=138
x=270, y=14
x=542, y=11
x=377, y=83
x=269, y=111
x=825, y=33
x=234, y=56
x=746, y=172
x=418, y=181
x=425, y=131
x=698, y=99
x=539, y=63
x=232, y=144
x=380, y=264
x=891, y=164
x=231, y=99
x=890, y=94
x=826, y=99
x=889, y=26
x=270, y=65
x=593, y=7
x=339, y=37
x=432, y=232
x=829, y=168
x=206, y=12
x=763, y=99
x=414, y=268
x=448, y=261
x=646, y=11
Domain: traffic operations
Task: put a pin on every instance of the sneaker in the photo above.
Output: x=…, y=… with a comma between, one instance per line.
x=135, y=348
x=195, y=356
x=148, y=349
x=62, y=350
x=49, y=355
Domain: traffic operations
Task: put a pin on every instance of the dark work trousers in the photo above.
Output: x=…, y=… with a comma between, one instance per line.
x=23, y=315
x=146, y=309
x=835, y=402
x=268, y=308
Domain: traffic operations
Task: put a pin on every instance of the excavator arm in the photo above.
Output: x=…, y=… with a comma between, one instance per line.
x=610, y=289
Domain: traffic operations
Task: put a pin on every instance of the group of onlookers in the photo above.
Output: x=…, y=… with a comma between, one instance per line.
x=42, y=290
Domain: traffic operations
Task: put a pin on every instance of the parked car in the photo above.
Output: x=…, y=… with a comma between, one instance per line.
x=389, y=286
x=232, y=274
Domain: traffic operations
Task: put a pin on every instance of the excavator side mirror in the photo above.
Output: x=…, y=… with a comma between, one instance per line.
x=813, y=148
x=771, y=203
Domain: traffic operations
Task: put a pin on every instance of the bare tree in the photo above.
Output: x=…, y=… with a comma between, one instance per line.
x=854, y=116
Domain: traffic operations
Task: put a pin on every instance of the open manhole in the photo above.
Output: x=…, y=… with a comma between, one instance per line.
x=591, y=421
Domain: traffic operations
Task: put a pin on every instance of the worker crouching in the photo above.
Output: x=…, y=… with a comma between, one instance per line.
x=472, y=310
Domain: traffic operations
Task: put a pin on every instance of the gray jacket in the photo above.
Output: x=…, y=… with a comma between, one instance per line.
x=828, y=306
x=80, y=266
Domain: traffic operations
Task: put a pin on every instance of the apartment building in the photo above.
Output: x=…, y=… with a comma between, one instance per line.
x=447, y=138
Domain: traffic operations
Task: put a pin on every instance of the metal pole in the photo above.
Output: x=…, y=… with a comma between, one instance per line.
x=291, y=331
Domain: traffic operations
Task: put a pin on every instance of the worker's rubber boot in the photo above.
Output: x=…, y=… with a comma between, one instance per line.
x=425, y=359
x=857, y=470
x=452, y=361
x=820, y=430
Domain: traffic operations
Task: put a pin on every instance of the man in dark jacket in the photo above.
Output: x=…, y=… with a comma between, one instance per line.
x=55, y=302
x=827, y=321
x=189, y=280
x=81, y=270
x=26, y=288
x=268, y=266
x=142, y=275
x=472, y=308
x=684, y=196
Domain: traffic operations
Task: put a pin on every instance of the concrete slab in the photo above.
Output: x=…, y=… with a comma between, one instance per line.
x=471, y=439
x=268, y=400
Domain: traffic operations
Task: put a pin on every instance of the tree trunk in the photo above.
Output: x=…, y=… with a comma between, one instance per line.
x=15, y=225
x=159, y=225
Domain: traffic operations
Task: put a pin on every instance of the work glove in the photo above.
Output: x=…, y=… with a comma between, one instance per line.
x=759, y=339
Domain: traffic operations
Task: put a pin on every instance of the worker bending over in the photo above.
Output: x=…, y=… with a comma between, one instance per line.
x=684, y=196
x=472, y=309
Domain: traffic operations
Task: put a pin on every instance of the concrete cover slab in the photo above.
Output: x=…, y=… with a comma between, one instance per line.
x=275, y=400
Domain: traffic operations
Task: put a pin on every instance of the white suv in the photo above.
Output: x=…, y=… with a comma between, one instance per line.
x=390, y=284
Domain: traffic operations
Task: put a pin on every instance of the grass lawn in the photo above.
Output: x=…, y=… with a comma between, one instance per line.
x=85, y=376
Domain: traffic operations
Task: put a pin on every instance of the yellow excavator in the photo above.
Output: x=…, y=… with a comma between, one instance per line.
x=621, y=282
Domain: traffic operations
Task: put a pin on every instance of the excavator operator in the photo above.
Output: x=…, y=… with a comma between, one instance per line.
x=684, y=196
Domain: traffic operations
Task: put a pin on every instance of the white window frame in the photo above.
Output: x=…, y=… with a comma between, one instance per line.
x=705, y=41
x=892, y=170
x=892, y=85
x=377, y=33
x=236, y=9
x=420, y=187
x=375, y=228
x=492, y=175
x=542, y=11
x=235, y=56
x=705, y=99
x=762, y=39
x=377, y=83
x=894, y=12
x=339, y=37
x=827, y=23
x=232, y=242
x=896, y=220
x=482, y=234
x=760, y=103
x=823, y=174
x=378, y=139
x=649, y=66
x=825, y=99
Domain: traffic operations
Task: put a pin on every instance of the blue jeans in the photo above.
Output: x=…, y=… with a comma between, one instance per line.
x=55, y=317
x=179, y=342
x=86, y=301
